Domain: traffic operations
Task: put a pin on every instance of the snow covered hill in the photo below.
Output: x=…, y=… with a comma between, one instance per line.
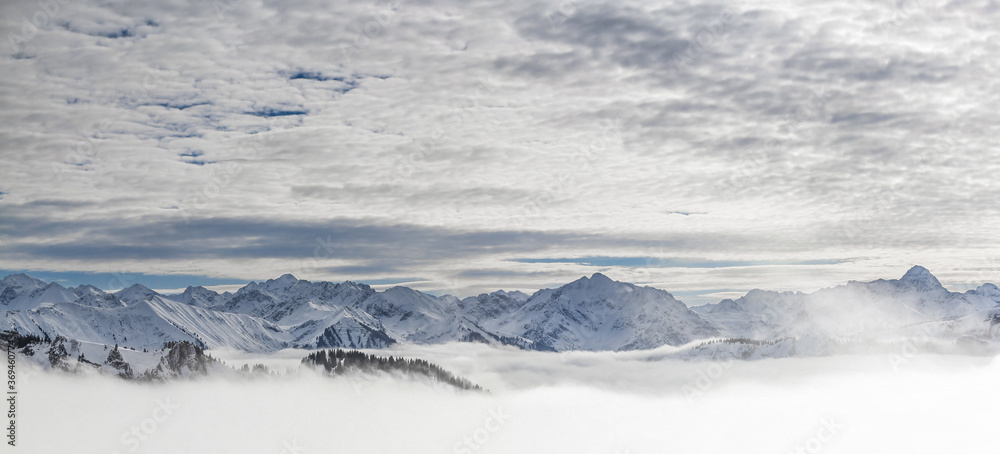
x=592, y=313
x=173, y=360
x=185, y=360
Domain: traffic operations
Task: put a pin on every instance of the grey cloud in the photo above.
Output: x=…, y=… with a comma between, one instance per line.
x=372, y=247
x=786, y=128
x=248, y=238
x=440, y=195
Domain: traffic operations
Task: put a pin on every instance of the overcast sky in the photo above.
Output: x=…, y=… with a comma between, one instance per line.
x=706, y=148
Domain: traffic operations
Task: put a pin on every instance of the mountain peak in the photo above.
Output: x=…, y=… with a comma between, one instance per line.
x=920, y=278
x=285, y=280
x=988, y=290
x=83, y=290
x=514, y=294
x=197, y=290
x=198, y=296
x=594, y=279
x=600, y=278
x=135, y=293
x=21, y=280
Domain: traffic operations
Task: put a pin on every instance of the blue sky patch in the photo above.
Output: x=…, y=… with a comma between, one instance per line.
x=269, y=112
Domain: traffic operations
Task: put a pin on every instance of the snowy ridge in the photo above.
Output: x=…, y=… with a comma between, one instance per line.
x=591, y=313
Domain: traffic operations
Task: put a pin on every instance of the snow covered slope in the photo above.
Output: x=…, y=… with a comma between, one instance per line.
x=598, y=313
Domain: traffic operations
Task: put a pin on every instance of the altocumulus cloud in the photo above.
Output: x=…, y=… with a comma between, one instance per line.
x=432, y=138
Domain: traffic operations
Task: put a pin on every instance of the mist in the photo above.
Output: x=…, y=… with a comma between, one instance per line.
x=537, y=402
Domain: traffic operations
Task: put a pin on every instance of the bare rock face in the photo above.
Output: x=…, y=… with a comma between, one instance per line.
x=182, y=360
x=116, y=362
x=58, y=354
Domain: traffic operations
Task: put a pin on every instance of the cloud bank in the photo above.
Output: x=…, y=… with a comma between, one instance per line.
x=594, y=402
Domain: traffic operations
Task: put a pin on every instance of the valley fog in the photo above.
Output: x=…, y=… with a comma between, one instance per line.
x=538, y=402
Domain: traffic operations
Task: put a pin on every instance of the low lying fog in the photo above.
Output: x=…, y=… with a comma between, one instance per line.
x=539, y=402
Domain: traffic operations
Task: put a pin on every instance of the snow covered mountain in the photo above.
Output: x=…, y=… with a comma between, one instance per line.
x=92, y=296
x=198, y=296
x=135, y=294
x=856, y=309
x=488, y=307
x=598, y=313
x=20, y=291
x=592, y=313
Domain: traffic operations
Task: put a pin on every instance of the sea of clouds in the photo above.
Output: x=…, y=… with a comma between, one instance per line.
x=537, y=402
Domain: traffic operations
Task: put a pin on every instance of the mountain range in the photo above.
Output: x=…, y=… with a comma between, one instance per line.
x=592, y=313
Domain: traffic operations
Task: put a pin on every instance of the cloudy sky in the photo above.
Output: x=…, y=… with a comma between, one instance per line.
x=706, y=148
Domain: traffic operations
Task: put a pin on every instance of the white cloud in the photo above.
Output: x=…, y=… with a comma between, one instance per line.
x=576, y=402
x=803, y=131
